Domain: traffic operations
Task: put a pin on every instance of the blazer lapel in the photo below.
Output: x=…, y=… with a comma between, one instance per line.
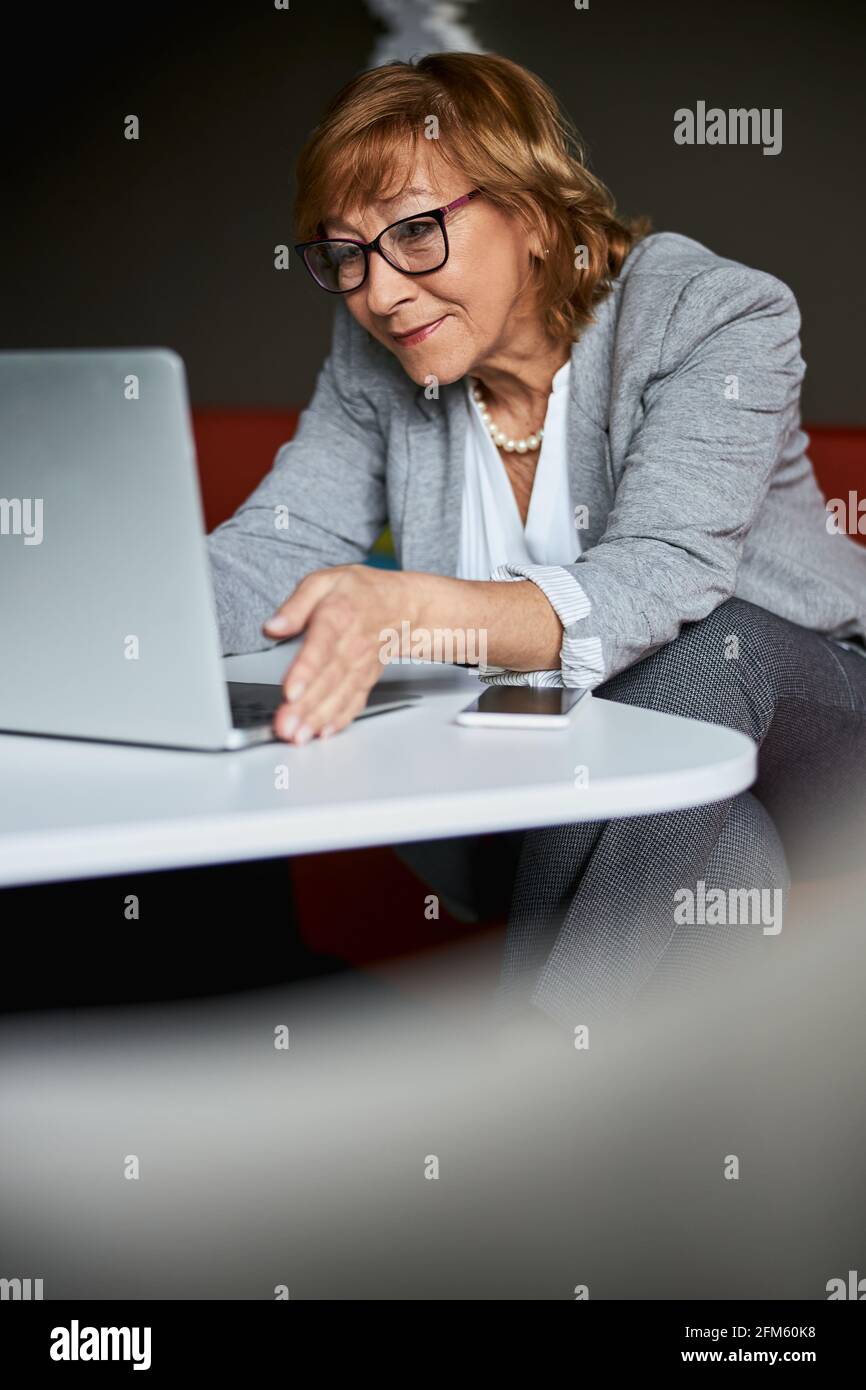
x=435, y=444
x=589, y=457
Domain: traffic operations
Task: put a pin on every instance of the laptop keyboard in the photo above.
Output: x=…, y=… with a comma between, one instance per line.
x=250, y=716
x=253, y=705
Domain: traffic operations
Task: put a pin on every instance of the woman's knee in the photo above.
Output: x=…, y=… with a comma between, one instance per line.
x=749, y=852
x=714, y=669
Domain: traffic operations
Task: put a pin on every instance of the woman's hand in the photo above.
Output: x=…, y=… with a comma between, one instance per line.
x=343, y=611
x=351, y=614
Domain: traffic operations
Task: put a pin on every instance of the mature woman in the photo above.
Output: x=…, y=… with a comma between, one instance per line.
x=529, y=389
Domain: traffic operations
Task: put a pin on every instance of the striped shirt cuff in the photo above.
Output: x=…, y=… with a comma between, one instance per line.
x=582, y=662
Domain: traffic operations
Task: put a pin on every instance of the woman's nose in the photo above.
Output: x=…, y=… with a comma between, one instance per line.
x=386, y=287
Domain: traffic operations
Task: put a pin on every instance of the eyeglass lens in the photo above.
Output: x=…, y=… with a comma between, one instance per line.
x=415, y=245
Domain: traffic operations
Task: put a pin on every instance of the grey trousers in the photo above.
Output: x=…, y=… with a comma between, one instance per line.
x=596, y=909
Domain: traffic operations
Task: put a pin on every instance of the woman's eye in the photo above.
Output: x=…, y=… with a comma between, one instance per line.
x=415, y=231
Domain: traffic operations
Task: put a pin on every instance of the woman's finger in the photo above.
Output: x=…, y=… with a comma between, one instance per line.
x=302, y=720
x=341, y=680
x=318, y=650
x=293, y=615
x=339, y=706
x=343, y=717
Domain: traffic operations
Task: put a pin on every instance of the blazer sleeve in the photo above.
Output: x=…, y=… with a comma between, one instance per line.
x=322, y=503
x=699, y=464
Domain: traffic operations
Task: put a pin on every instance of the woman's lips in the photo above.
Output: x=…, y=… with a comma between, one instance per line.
x=417, y=335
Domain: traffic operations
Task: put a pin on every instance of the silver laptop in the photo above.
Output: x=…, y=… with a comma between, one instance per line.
x=107, y=622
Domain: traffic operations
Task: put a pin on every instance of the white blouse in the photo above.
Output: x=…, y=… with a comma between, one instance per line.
x=495, y=544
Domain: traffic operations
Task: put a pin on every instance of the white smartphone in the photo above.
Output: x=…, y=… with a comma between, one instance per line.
x=523, y=707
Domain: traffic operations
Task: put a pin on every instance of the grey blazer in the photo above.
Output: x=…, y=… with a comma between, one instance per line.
x=687, y=465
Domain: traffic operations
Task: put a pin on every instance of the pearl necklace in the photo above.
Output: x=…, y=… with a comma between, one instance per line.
x=499, y=437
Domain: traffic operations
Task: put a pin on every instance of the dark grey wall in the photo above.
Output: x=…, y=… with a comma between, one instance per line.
x=169, y=240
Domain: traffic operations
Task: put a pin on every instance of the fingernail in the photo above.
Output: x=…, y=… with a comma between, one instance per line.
x=296, y=691
x=327, y=731
x=278, y=623
x=304, y=734
x=288, y=725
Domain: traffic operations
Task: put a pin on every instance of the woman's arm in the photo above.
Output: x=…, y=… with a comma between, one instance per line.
x=520, y=627
x=714, y=418
x=356, y=619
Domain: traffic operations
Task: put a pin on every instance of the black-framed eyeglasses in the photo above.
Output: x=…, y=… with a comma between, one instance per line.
x=415, y=245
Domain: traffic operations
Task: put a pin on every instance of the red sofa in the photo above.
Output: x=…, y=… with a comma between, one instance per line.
x=345, y=913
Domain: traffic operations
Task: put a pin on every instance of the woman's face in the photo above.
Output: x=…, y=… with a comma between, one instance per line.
x=475, y=310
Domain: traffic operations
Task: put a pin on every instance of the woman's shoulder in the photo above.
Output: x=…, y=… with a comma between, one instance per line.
x=665, y=264
x=673, y=294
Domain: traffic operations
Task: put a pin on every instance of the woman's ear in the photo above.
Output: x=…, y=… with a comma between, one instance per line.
x=540, y=238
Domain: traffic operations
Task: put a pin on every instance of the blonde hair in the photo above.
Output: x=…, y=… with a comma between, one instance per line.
x=500, y=126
